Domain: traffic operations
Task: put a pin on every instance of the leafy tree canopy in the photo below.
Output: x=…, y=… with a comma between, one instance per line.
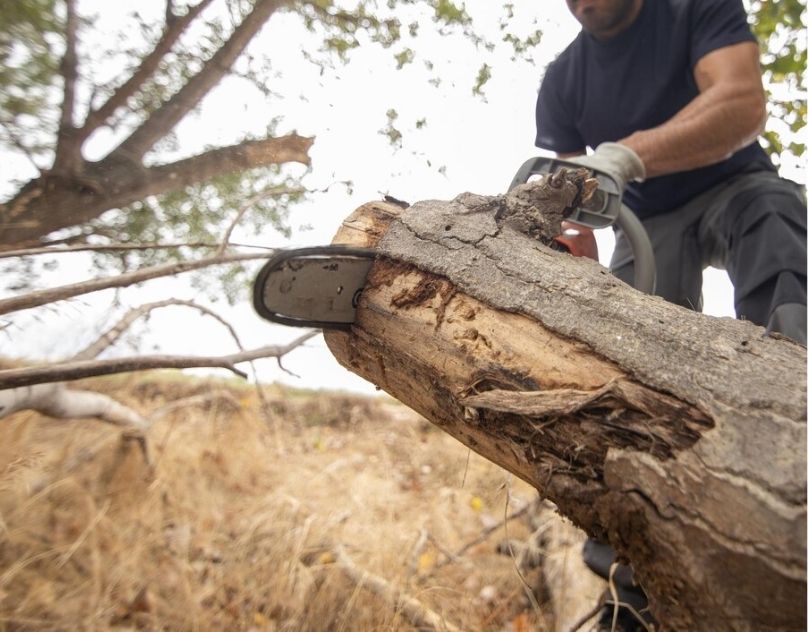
x=779, y=27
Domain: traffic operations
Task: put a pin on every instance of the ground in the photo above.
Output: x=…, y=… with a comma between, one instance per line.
x=247, y=510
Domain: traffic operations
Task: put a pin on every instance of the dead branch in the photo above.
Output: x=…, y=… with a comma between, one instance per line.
x=222, y=395
x=484, y=534
x=109, y=337
x=268, y=192
x=83, y=247
x=50, y=295
x=413, y=610
x=417, y=550
x=57, y=401
x=67, y=371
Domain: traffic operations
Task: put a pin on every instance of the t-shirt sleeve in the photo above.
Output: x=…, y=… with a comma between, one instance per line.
x=555, y=127
x=716, y=24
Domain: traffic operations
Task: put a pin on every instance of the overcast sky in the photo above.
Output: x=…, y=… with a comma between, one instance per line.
x=468, y=143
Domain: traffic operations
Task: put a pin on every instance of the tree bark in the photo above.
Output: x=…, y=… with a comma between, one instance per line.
x=678, y=437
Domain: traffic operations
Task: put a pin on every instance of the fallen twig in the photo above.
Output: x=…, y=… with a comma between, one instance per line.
x=417, y=549
x=413, y=610
x=59, y=402
x=194, y=400
x=484, y=534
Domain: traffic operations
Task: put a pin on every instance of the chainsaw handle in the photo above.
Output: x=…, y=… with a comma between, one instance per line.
x=644, y=260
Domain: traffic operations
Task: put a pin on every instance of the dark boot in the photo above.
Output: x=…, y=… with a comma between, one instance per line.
x=599, y=557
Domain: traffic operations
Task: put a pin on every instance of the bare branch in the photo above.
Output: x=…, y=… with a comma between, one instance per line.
x=268, y=192
x=170, y=15
x=109, y=337
x=42, y=297
x=67, y=150
x=49, y=250
x=224, y=396
x=413, y=610
x=57, y=401
x=17, y=142
x=279, y=360
x=172, y=111
x=76, y=239
x=14, y=378
x=174, y=29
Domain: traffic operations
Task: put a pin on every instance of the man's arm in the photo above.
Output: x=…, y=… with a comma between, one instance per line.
x=727, y=115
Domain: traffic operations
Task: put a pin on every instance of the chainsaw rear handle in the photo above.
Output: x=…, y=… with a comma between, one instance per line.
x=611, y=211
x=644, y=260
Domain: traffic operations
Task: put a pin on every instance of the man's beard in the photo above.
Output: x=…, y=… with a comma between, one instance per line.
x=599, y=21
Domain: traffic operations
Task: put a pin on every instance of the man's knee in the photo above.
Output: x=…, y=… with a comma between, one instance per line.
x=767, y=260
x=766, y=234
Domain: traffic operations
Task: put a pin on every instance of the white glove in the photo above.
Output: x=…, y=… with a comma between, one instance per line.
x=619, y=161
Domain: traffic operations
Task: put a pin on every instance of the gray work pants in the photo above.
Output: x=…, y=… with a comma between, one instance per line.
x=752, y=226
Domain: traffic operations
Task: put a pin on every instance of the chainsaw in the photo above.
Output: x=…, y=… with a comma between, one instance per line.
x=320, y=286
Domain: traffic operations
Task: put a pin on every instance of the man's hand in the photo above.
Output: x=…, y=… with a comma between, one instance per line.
x=620, y=162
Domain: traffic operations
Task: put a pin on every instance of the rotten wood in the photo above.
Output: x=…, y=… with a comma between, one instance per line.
x=678, y=437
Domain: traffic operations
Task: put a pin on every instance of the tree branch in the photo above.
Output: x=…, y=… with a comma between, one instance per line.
x=246, y=155
x=172, y=111
x=64, y=250
x=67, y=150
x=17, y=142
x=66, y=371
x=57, y=401
x=268, y=192
x=109, y=337
x=43, y=297
x=414, y=611
x=223, y=395
x=175, y=27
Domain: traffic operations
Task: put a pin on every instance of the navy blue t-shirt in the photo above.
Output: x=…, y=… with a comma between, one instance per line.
x=604, y=91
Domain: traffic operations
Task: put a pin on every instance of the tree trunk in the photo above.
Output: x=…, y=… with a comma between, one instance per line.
x=678, y=437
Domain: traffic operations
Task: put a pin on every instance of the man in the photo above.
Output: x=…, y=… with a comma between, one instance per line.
x=668, y=93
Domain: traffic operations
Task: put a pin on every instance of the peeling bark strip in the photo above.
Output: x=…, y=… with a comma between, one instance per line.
x=678, y=437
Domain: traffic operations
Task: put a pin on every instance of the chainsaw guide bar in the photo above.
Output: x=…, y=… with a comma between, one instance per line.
x=313, y=287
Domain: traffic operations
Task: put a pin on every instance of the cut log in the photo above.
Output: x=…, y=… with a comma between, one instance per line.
x=679, y=438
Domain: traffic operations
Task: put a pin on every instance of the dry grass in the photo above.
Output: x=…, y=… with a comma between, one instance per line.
x=233, y=525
